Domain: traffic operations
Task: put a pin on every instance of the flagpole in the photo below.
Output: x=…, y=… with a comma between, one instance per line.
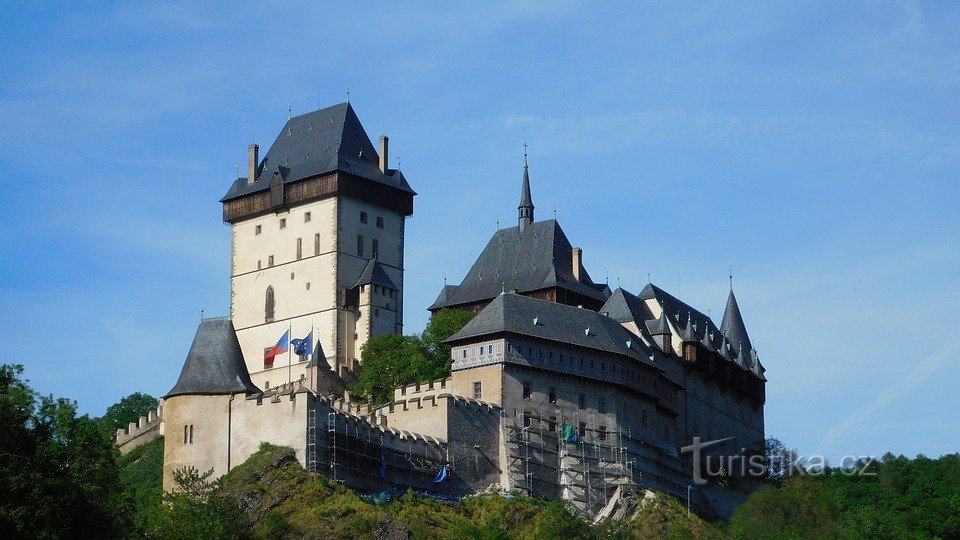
x=289, y=351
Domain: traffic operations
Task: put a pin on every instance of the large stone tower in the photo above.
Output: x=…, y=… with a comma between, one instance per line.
x=317, y=237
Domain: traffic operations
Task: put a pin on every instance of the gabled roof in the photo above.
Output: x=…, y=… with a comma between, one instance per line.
x=678, y=311
x=316, y=143
x=539, y=257
x=732, y=326
x=660, y=326
x=374, y=274
x=623, y=306
x=530, y=317
x=214, y=365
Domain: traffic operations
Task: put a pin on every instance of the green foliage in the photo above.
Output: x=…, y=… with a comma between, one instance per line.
x=393, y=360
x=141, y=474
x=442, y=325
x=59, y=470
x=129, y=409
x=195, y=509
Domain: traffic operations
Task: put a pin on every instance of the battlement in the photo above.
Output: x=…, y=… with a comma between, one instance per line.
x=144, y=430
x=420, y=390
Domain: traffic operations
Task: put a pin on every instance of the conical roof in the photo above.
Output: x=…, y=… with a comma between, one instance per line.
x=214, y=365
x=526, y=201
x=732, y=326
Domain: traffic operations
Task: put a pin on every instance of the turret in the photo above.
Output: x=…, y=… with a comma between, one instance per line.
x=525, y=209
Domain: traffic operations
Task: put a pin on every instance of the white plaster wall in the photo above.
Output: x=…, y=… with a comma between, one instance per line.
x=208, y=415
x=283, y=423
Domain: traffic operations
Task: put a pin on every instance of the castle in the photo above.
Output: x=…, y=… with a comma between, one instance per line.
x=560, y=388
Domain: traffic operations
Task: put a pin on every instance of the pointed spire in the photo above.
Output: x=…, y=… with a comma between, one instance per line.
x=525, y=210
x=732, y=326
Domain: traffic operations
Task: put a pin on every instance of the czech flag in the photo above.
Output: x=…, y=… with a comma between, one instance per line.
x=281, y=347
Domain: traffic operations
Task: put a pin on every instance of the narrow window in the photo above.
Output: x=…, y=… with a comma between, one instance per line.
x=191, y=433
x=477, y=390
x=185, y=434
x=259, y=264
x=553, y=395
x=602, y=405
x=269, y=305
x=283, y=223
x=257, y=229
x=527, y=390
x=583, y=429
x=526, y=421
x=360, y=245
x=299, y=248
x=363, y=217
x=270, y=261
x=379, y=222
x=463, y=353
x=316, y=244
x=625, y=414
x=306, y=217
x=582, y=402
x=376, y=248
x=602, y=432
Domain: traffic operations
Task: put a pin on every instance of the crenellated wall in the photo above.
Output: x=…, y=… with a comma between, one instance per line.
x=144, y=430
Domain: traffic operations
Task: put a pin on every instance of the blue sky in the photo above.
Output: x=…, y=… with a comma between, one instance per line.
x=814, y=147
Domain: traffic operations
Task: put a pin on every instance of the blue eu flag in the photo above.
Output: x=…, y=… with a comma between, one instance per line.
x=303, y=347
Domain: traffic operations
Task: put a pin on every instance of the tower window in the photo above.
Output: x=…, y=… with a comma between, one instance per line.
x=582, y=402
x=306, y=217
x=360, y=245
x=269, y=305
x=477, y=390
x=376, y=248
x=552, y=396
x=316, y=244
x=267, y=362
x=259, y=264
x=257, y=229
x=602, y=405
x=527, y=390
x=602, y=432
x=270, y=261
x=363, y=217
x=283, y=223
x=379, y=222
x=299, y=248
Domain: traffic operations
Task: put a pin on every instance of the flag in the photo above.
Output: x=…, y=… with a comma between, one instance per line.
x=570, y=433
x=441, y=475
x=303, y=347
x=281, y=347
x=383, y=465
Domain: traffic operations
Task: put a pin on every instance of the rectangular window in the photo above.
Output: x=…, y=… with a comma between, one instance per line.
x=376, y=248
x=360, y=245
x=185, y=434
x=257, y=229
x=477, y=390
x=582, y=402
x=583, y=430
x=527, y=390
x=552, y=396
x=270, y=261
x=363, y=217
x=283, y=223
x=191, y=433
x=602, y=433
x=379, y=222
x=267, y=361
x=526, y=420
x=463, y=353
x=306, y=217
x=259, y=264
x=299, y=248
x=316, y=244
x=602, y=405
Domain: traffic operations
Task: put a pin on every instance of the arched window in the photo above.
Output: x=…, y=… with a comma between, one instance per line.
x=269, y=305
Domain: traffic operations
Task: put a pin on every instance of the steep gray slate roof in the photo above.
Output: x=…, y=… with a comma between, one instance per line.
x=732, y=326
x=375, y=274
x=622, y=306
x=318, y=358
x=443, y=298
x=526, y=201
x=540, y=257
x=214, y=365
x=680, y=313
x=515, y=314
x=319, y=142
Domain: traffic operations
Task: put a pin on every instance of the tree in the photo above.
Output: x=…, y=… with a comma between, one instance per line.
x=442, y=325
x=779, y=460
x=129, y=409
x=393, y=360
x=59, y=470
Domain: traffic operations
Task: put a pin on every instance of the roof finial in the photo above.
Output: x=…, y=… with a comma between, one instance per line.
x=503, y=287
x=201, y=314
x=648, y=278
x=348, y=93
x=730, y=269
x=554, y=210
x=398, y=163
x=498, y=221
x=444, y=280
x=289, y=111
x=524, y=155
x=618, y=282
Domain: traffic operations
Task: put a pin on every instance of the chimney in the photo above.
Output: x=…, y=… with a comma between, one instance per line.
x=384, y=157
x=577, y=263
x=253, y=159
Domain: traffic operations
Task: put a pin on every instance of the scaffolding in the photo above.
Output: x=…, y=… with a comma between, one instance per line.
x=312, y=440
